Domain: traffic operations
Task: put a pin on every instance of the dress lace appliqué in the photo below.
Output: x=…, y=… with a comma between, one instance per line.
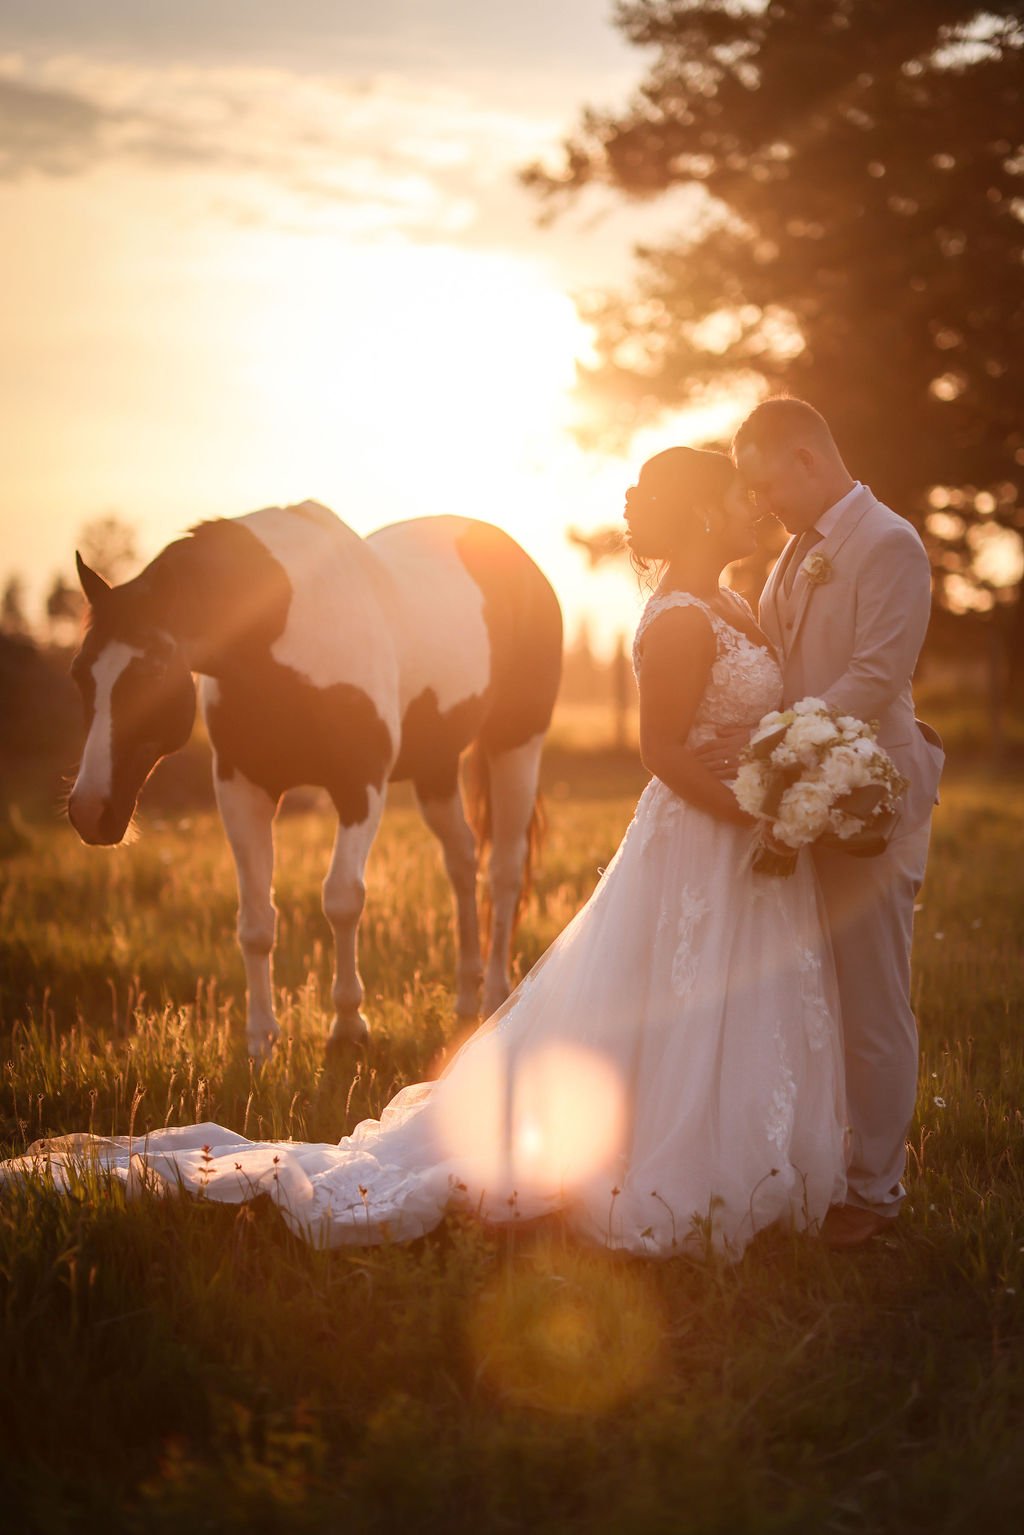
x=684, y=960
x=782, y=1106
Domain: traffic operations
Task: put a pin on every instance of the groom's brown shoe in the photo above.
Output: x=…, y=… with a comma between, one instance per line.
x=849, y=1226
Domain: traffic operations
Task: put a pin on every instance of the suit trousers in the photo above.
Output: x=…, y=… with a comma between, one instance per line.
x=870, y=906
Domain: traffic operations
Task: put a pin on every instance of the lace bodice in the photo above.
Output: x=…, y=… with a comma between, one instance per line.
x=745, y=680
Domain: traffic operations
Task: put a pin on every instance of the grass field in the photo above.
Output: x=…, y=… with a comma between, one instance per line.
x=168, y=1365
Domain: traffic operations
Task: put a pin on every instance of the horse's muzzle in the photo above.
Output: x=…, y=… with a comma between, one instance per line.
x=98, y=822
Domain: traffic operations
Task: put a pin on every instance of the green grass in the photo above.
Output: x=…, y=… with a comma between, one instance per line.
x=168, y=1365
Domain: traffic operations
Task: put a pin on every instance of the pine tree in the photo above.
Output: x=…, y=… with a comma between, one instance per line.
x=857, y=241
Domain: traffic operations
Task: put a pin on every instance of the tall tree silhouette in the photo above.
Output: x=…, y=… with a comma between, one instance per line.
x=857, y=240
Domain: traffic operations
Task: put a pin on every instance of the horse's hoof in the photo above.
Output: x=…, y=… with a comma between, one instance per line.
x=349, y=1029
x=260, y=1047
x=467, y=1004
x=494, y=996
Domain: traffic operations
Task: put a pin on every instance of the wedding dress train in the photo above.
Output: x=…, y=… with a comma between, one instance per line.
x=668, y=1075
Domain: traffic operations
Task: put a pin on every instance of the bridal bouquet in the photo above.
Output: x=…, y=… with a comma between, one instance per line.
x=811, y=774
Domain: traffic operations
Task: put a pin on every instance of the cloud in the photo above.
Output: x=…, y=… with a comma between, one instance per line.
x=378, y=154
x=53, y=132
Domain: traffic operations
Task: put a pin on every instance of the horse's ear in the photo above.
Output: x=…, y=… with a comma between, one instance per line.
x=93, y=584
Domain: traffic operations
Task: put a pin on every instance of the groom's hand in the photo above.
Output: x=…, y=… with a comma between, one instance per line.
x=722, y=755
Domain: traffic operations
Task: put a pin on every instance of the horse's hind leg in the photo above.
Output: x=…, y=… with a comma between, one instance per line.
x=514, y=776
x=248, y=815
x=446, y=818
x=344, y=894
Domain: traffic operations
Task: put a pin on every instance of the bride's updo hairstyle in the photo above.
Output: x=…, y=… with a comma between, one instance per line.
x=674, y=493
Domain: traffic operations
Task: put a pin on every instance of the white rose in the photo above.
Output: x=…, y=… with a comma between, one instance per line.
x=809, y=732
x=803, y=813
x=748, y=788
x=784, y=756
x=844, y=769
x=865, y=747
x=811, y=706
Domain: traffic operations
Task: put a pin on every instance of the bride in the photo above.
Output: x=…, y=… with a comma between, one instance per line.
x=669, y=1074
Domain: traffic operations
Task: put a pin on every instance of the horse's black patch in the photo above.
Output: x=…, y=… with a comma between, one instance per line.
x=524, y=622
x=433, y=741
x=219, y=590
x=281, y=731
x=223, y=589
x=269, y=722
x=152, y=710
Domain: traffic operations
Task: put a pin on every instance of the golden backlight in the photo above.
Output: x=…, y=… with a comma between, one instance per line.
x=246, y=366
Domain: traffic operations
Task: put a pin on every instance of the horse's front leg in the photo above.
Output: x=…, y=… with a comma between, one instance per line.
x=447, y=820
x=344, y=894
x=248, y=815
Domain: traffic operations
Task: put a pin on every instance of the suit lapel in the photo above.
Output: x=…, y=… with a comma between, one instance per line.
x=829, y=547
x=791, y=610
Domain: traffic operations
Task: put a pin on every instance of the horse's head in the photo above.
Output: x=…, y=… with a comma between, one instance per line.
x=140, y=704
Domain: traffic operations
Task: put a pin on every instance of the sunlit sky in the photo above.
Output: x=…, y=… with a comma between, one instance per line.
x=257, y=253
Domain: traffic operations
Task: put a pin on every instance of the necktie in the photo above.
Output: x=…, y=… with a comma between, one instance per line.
x=804, y=544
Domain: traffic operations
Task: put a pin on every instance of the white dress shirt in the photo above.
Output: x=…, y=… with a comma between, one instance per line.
x=828, y=519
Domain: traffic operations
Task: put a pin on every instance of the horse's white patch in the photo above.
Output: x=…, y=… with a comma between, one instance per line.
x=336, y=629
x=393, y=614
x=95, y=775
x=439, y=611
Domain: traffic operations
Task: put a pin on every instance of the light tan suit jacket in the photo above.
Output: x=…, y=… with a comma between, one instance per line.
x=854, y=639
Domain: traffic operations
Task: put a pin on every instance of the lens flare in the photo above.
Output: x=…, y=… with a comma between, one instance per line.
x=530, y=1119
x=566, y=1331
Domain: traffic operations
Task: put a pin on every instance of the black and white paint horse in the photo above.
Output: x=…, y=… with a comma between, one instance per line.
x=338, y=661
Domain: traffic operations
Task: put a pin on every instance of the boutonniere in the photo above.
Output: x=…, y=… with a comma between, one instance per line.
x=817, y=568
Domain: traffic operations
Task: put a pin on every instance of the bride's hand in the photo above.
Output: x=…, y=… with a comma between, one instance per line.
x=722, y=755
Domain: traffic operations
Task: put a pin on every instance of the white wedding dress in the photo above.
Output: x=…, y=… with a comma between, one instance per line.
x=669, y=1074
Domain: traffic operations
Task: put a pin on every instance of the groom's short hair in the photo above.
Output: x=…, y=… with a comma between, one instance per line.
x=780, y=422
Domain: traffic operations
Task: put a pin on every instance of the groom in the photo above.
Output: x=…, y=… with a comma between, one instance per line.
x=847, y=607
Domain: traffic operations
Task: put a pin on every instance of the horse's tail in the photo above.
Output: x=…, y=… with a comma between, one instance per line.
x=536, y=833
x=476, y=790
